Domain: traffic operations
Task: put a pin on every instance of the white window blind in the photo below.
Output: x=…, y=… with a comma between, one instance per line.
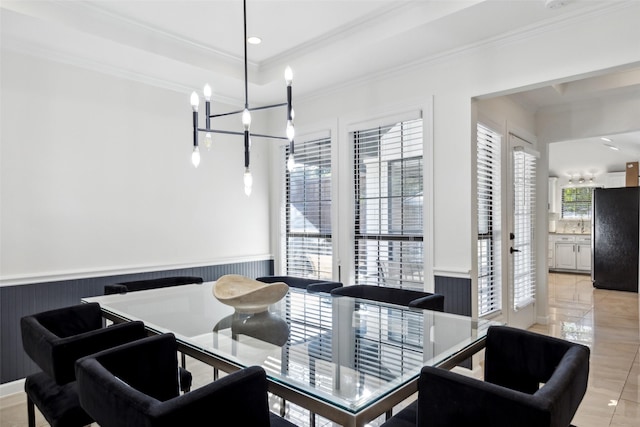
x=488, y=179
x=388, y=228
x=308, y=211
x=576, y=202
x=524, y=209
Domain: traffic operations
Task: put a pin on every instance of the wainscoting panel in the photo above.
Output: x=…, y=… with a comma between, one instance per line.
x=457, y=294
x=22, y=300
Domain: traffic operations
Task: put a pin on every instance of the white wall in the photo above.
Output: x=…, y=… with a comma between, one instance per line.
x=572, y=48
x=96, y=178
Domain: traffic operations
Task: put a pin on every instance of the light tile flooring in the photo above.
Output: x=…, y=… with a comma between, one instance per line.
x=606, y=321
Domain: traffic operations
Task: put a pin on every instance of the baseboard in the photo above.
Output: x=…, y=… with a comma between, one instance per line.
x=12, y=387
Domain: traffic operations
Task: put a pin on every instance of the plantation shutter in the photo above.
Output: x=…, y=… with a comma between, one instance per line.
x=388, y=176
x=488, y=179
x=308, y=211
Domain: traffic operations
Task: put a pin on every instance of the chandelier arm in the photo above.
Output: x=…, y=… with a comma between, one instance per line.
x=282, y=104
x=226, y=132
x=230, y=132
x=213, y=116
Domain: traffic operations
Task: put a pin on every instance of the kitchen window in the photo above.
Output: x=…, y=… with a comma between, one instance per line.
x=576, y=202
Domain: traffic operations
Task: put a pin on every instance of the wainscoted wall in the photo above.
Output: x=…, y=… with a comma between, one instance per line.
x=457, y=294
x=22, y=300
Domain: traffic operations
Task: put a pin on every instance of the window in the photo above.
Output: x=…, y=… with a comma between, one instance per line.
x=576, y=202
x=388, y=180
x=524, y=213
x=488, y=179
x=308, y=211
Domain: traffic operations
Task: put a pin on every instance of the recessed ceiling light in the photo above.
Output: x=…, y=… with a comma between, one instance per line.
x=605, y=139
x=613, y=147
x=254, y=40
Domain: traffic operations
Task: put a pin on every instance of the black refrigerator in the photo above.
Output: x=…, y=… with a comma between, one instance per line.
x=615, y=239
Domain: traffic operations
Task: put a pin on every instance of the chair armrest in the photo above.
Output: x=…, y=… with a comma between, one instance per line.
x=57, y=356
x=430, y=302
x=446, y=398
x=115, y=288
x=327, y=286
x=241, y=397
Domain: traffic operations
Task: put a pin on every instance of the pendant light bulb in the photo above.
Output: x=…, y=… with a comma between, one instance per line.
x=207, y=92
x=288, y=75
x=291, y=163
x=248, y=182
x=246, y=119
x=195, y=101
x=208, y=141
x=291, y=132
x=195, y=157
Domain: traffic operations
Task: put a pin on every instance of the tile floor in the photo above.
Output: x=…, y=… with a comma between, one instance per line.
x=606, y=321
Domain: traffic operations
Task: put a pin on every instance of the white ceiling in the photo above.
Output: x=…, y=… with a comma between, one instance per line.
x=181, y=44
x=587, y=157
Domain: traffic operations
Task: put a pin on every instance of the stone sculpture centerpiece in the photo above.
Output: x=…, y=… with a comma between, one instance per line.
x=246, y=295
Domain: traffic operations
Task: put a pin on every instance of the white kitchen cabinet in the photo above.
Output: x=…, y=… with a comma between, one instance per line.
x=565, y=256
x=583, y=253
x=571, y=253
x=553, y=194
x=615, y=180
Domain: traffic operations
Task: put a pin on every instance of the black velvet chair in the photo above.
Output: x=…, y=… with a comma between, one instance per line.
x=124, y=387
x=405, y=297
x=310, y=285
x=517, y=362
x=54, y=340
x=141, y=285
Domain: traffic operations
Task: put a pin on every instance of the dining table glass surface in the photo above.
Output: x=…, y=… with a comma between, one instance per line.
x=345, y=351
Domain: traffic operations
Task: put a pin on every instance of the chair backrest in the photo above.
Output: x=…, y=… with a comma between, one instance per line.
x=55, y=339
x=406, y=297
x=522, y=360
x=135, y=384
x=142, y=285
x=311, y=285
x=516, y=363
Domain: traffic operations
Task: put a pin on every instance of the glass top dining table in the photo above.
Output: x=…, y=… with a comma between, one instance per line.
x=346, y=359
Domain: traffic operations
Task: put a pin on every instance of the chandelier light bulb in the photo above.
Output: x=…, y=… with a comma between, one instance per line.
x=207, y=92
x=195, y=101
x=195, y=157
x=208, y=141
x=246, y=119
x=248, y=182
x=291, y=163
x=288, y=75
x=291, y=132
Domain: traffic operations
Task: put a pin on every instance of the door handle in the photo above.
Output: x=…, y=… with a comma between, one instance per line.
x=511, y=250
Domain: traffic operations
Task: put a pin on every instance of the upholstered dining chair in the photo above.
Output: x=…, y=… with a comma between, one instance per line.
x=405, y=297
x=124, y=387
x=54, y=340
x=530, y=380
x=141, y=285
x=163, y=282
x=310, y=285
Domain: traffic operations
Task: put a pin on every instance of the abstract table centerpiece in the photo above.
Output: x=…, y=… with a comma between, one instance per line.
x=246, y=295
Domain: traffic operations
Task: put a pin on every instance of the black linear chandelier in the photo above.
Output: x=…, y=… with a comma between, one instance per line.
x=246, y=118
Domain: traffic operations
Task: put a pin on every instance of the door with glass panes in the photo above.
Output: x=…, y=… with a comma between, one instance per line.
x=521, y=248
